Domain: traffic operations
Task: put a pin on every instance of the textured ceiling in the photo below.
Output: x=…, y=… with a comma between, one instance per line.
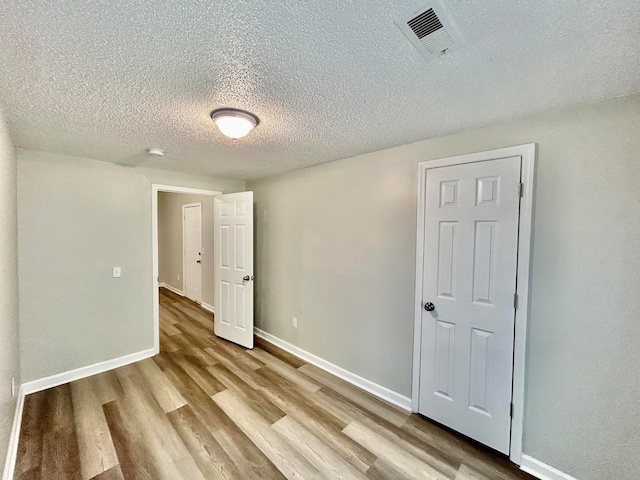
x=328, y=79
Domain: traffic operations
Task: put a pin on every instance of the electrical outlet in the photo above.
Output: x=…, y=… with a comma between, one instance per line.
x=178, y=276
x=294, y=322
x=117, y=272
x=13, y=386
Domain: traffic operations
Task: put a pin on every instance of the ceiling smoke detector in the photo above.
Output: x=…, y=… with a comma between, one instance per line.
x=430, y=30
x=156, y=152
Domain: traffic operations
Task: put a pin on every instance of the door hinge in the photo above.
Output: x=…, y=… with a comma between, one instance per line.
x=520, y=190
x=511, y=411
x=515, y=300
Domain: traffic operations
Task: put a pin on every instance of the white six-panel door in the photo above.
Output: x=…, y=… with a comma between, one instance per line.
x=233, y=239
x=469, y=275
x=192, y=239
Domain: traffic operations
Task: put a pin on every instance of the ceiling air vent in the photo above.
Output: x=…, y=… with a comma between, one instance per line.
x=429, y=30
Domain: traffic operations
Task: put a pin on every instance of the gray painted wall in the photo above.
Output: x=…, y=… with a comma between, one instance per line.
x=77, y=218
x=170, y=257
x=335, y=247
x=9, y=338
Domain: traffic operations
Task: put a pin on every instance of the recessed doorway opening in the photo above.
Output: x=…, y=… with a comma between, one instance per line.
x=168, y=221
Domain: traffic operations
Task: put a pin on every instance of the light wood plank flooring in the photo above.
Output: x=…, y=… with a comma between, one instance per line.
x=207, y=409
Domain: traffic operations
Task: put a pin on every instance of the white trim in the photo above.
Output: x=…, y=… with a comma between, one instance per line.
x=417, y=316
x=171, y=288
x=542, y=470
x=528, y=154
x=12, y=449
x=367, y=385
x=155, y=188
x=184, y=251
x=525, y=237
x=206, y=306
x=83, y=372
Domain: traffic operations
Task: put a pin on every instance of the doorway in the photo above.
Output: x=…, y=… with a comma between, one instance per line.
x=176, y=272
x=226, y=273
x=472, y=272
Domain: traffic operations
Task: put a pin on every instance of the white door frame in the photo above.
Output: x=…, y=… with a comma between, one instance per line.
x=155, y=189
x=528, y=154
x=184, y=248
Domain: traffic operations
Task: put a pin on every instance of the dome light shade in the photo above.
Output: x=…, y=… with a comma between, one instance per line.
x=234, y=123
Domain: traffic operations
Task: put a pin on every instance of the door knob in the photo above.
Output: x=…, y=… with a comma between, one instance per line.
x=429, y=307
x=246, y=278
x=198, y=261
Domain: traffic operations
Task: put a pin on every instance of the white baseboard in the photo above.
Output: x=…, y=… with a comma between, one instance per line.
x=173, y=289
x=12, y=450
x=82, y=372
x=206, y=306
x=378, y=390
x=542, y=470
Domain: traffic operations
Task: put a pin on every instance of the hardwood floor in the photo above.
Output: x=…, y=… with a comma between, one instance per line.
x=208, y=409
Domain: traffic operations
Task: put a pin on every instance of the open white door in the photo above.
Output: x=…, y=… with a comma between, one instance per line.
x=469, y=283
x=233, y=239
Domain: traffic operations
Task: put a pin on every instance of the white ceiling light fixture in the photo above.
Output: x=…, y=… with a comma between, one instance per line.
x=234, y=123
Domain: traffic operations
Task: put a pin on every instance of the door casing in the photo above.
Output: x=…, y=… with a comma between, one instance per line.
x=155, y=189
x=528, y=154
